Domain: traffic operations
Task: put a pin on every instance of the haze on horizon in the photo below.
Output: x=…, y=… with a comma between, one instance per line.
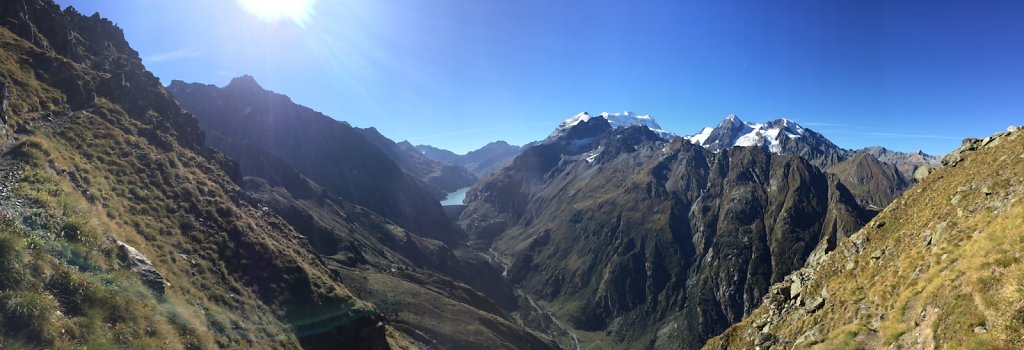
x=457, y=75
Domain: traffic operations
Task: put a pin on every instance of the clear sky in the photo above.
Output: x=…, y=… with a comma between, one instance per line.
x=457, y=74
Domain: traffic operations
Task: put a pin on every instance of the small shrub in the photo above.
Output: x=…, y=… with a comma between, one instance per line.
x=12, y=253
x=29, y=315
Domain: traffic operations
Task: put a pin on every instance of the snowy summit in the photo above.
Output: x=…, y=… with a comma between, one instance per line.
x=617, y=120
x=734, y=132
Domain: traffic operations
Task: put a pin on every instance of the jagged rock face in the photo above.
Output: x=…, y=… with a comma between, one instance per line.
x=440, y=178
x=779, y=136
x=331, y=153
x=871, y=180
x=97, y=44
x=875, y=184
x=815, y=148
x=481, y=162
x=724, y=134
x=935, y=269
x=633, y=234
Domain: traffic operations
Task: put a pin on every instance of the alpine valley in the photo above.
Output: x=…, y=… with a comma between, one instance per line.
x=196, y=216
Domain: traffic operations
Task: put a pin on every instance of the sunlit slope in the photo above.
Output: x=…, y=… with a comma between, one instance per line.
x=121, y=230
x=939, y=268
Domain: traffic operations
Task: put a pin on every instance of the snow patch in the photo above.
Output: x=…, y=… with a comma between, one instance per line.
x=748, y=134
x=616, y=120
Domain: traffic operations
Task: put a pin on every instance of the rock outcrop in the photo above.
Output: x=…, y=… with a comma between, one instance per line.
x=438, y=177
x=141, y=265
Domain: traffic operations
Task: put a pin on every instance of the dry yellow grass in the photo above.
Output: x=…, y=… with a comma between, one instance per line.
x=947, y=271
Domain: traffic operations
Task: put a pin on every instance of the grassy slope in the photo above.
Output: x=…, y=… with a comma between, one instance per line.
x=237, y=277
x=945, y=261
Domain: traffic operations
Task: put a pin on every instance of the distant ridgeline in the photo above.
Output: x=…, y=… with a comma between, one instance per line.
x=641, y=239
x=198, y=216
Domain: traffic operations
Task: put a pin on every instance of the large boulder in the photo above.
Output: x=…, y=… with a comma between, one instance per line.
x=922, y=172
x=142, y=267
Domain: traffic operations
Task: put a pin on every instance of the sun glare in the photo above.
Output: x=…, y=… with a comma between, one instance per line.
x=297, y=11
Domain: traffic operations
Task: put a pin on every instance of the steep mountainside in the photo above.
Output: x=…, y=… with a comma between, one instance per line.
x=441, y=177
x=406, y=276
x=331, y=153
x=638, y=242
x=119, y=228
x=939, y=268
x=908, y=163
x=875, y=184
x=438, y=297
x=481, y=162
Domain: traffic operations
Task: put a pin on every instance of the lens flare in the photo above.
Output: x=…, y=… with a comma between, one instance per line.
x=297, y=11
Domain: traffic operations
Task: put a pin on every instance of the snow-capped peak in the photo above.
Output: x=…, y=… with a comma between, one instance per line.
x=732, y=119
x=735, y=132
x=617, y=120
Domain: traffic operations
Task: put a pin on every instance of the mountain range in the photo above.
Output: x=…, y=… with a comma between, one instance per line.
x=627, y=234
x=875, y=175
x=137, y=215
x=481, y=162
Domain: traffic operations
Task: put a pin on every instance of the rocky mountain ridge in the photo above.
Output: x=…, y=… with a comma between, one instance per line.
x=439, y=177
x=333, y=154
x=928, y=272
x=874, y=185
x=481, y=162
x=616, y=228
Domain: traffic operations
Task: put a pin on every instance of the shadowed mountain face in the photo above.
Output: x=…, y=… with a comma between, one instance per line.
x=651, y=242
x=933, y=270
x=440, y=177
x=430, y=292
x=875, y=184
x=481, y=162
x=907, y=163
x=331, y=153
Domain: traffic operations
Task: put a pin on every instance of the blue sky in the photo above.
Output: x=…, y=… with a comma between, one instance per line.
x=457, y=74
